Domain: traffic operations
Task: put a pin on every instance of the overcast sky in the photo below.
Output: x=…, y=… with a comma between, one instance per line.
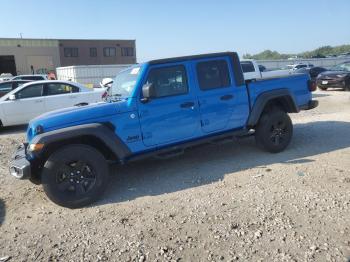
x=183, y=27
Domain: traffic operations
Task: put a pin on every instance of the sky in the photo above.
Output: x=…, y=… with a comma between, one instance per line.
x=165, y=28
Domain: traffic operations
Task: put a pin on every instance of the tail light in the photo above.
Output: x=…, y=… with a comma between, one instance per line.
x=312, y=85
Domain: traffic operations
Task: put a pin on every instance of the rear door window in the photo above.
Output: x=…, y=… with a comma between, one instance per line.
x=60, y=89
x=213, y=74
x=247, y=67
x=35, y=78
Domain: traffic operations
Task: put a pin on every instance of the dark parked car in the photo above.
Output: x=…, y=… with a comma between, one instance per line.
x=313, y=71
x=8, y=86
x=338, y=77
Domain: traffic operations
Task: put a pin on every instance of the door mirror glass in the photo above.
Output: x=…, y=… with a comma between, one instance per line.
x=148, y=91
x=12, y=97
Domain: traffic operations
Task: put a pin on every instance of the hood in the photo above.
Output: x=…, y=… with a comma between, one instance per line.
x=98, y=112
x=333, y=74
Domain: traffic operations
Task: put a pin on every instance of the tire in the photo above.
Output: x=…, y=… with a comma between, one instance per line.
x=323, y=88
x=75, y=176
x=274, y=131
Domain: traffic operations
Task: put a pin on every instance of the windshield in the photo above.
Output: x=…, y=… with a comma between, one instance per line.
x=341, y=67
x=124, y=83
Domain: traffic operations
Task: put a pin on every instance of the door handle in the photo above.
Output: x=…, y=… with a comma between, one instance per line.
x=38, y=101
x=226, y=97
x=187, y=105
x=73, y=97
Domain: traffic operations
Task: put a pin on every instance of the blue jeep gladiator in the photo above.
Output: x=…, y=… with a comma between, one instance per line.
x=158, y=108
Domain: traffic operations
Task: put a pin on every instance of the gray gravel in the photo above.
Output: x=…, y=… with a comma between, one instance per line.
x=228, y=202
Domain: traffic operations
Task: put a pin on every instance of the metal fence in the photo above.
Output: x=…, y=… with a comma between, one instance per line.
x=324, y=62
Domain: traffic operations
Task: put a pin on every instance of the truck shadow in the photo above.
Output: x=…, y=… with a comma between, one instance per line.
x=211, y=163
x=2, y=212
x=8, y=130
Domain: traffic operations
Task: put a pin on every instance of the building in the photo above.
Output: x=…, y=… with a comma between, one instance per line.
x=26, y=56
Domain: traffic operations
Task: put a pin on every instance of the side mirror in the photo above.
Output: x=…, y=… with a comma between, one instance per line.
x=12, y=97
x=148, y=91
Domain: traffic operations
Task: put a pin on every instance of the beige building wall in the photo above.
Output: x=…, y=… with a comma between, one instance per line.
x=40, y=53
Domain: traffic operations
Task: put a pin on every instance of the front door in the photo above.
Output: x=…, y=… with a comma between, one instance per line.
x=29, y=104
x=172, y=115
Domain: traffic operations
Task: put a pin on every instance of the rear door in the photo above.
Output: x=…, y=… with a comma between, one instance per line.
x=223, y=105
x=173, y=114
x=60, y=95
x=29, y=104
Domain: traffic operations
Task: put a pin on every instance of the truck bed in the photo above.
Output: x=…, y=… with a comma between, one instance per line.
x=297, y=84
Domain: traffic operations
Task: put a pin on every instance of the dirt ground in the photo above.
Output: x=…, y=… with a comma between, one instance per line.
x=214, y=203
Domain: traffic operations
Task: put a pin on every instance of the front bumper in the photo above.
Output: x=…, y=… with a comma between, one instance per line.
x=311, y=105
x=19, y=165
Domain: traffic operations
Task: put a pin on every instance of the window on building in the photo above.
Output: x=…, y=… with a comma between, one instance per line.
x=109, y=51
x=93, y=51
x=213, y=74
x=127, y=51
x=71, y=52
x=168, y=81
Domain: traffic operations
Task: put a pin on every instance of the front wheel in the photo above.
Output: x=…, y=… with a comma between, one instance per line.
x=75, y=176
x=274, y=131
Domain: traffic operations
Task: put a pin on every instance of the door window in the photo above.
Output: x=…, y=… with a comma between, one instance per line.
x=247, y=67
x=213, y=74
x=30, y=91
x=5, y=87
x=60, y=89
x=168, y=81
x=34, y=78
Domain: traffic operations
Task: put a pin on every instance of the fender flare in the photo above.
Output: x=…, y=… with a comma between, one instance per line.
x=103, y=132
x=284, y=94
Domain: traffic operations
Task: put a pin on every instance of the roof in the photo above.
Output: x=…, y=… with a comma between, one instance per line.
x=64, y=39
x=187, y=58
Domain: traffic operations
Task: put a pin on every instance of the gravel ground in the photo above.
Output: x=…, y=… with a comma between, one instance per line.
x=219, y=202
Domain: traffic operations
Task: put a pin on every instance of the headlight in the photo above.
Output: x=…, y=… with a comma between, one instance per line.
x=35, y=147
x=341, y=76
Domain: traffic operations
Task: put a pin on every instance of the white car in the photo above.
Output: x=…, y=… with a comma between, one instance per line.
x=294, y=67
x=5, y=77
x=35, y=98
x=251, y=71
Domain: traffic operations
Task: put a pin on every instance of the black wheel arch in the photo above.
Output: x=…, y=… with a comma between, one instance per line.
x=281, y=98
x=101, y=136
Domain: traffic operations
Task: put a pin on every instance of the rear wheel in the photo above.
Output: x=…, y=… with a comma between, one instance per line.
x=323, y=88
x=75, y=176
x=274, y=130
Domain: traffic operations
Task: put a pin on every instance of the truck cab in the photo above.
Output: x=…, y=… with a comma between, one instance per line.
x=159, y=108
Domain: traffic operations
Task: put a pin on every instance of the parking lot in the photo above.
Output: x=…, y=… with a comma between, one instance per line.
x=218, y=202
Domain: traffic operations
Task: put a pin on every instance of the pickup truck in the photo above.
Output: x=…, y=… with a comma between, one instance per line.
x=158, y=108
x=253, y=71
